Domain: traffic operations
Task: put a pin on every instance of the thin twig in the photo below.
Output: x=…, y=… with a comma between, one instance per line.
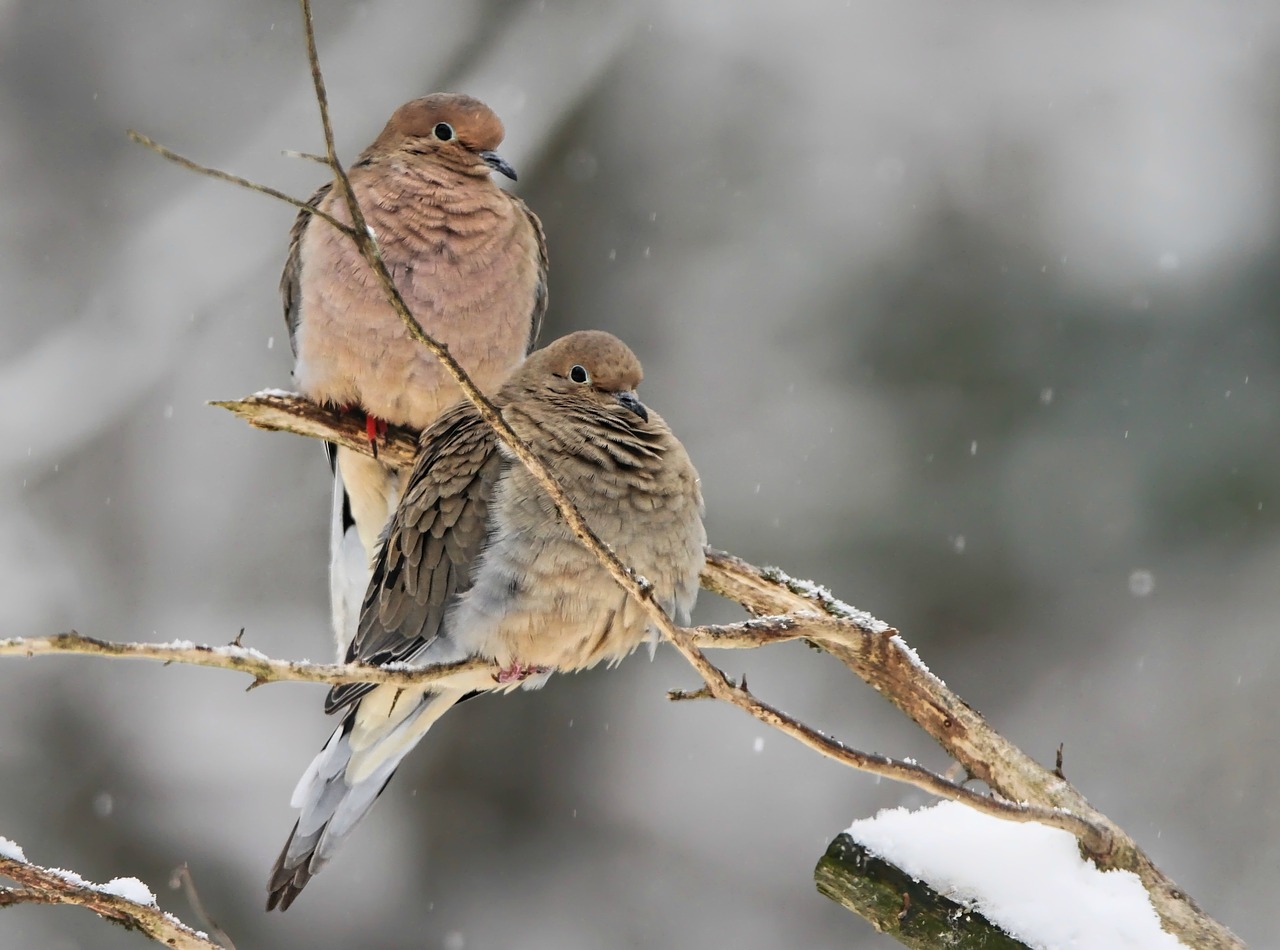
x=764, y=594
x=182, y=878
x=305, y=156
x=262, y=668
x=266, y=670
x=1096, y=839
x=234, y=179
x=41, y=885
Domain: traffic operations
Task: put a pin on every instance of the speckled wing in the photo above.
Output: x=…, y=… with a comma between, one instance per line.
x=291, y=278
x=430, y=545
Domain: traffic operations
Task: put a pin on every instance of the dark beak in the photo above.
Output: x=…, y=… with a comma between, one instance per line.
x=629, y=400
x=498, y=164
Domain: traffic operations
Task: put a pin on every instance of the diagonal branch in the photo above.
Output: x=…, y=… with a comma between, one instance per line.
x=234, y=179
x=789, y=609
x=41, y=885
x=752, y=633
x=940, y=712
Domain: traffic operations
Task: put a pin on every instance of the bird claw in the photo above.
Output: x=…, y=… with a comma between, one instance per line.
x=517, y=672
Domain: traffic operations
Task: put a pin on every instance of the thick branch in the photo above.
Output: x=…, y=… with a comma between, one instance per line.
x=886, y=662
x=791, y=609
x=763, y=589
x=40, y=885
x=278, y=411
x=897, y=904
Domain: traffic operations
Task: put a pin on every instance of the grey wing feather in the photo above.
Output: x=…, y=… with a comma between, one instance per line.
x=291, y=278
x=429, y=546
x=540, y=296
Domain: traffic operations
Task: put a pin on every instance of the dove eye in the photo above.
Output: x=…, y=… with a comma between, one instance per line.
x=579, y=374
x=443, y=131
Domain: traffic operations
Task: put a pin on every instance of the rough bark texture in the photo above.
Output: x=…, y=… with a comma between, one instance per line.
x=898, y=905
x=39, y=885
x=879, y=656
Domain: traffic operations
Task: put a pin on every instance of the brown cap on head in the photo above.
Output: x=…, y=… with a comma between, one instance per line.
x=607, y=362
x=440, y=118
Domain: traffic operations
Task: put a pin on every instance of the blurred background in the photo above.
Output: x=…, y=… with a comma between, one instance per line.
x=966, y=311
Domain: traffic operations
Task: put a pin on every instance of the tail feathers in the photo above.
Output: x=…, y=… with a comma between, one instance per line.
x=342, y=783
x=349, y=568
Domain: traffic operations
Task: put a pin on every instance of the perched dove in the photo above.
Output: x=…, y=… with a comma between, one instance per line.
x=477, y=562
x=470, y=261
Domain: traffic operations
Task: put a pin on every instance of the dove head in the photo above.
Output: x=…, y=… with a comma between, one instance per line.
x=589, y=371
x=455, y=129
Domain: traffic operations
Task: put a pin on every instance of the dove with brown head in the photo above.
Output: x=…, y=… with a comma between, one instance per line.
x=476, y=562
x=470, y=261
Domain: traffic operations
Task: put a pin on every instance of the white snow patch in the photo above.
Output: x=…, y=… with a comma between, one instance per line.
x=11, y=850
x=130, y=888
x=187, y=927
x=911, y=655
x=827, y=599
x=71, y=877
x=241, y=652
x=1027, y=878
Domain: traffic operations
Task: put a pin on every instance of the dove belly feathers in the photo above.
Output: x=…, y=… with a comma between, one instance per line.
x=540, y=599
x=469, y=270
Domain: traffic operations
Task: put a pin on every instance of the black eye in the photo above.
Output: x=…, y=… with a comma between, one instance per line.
x=443, y=131
x=579, y=374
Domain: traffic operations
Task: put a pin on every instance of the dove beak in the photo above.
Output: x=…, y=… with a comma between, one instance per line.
x=630, y=401
x=498, y=164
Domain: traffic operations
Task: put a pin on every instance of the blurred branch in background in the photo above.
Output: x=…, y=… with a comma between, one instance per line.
x=880, y=657
x=873, y=651
x=124, y=901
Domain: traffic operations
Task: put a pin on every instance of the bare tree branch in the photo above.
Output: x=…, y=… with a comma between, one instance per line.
x=234, y=179
x=41, y=885
x=182, y=878
x=263, y=669
x=905, y=908
x=791, y=609
x=752, y=633
x=924, y=697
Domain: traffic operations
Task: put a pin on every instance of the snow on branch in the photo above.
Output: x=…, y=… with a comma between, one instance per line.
x=233, y=656
x=948, y=872
x=125, y=900
x=788, y=608
x=870, y=649
x=906, y=908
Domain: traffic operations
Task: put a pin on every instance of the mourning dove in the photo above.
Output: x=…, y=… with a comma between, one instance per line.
x=470, y=261
x=477, y=562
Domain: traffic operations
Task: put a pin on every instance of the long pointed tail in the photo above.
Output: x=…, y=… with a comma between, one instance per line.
x=347, y=776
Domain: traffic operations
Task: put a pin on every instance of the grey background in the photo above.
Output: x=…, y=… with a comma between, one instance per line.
x=966, y=310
